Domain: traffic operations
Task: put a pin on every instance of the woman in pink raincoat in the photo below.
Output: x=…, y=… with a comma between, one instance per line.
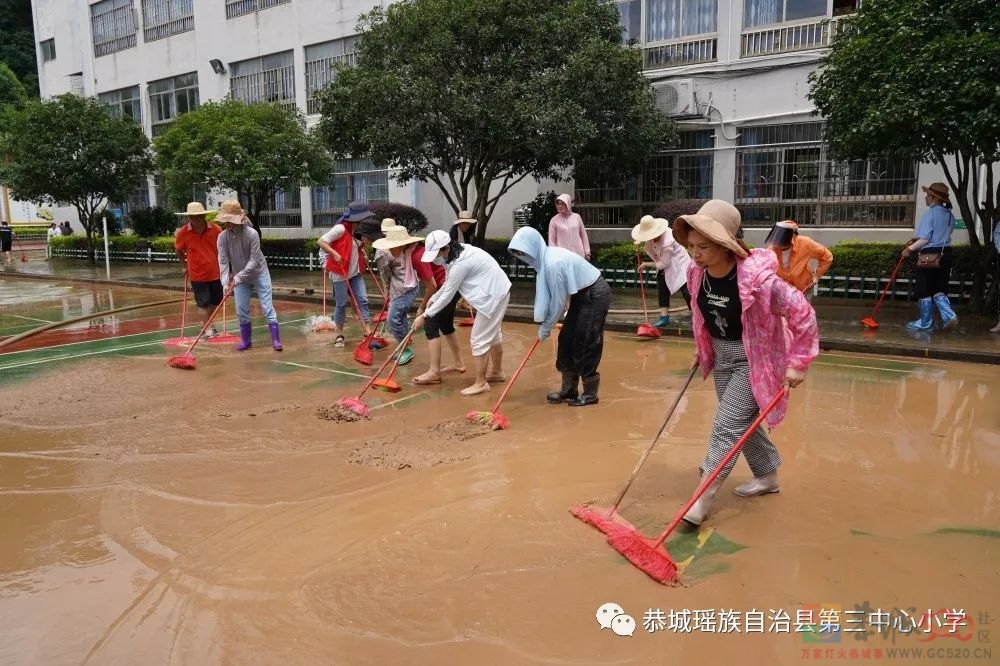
x=566, y=229
x=754, y=331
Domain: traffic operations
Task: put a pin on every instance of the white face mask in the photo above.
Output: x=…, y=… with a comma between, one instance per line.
x=439, y=260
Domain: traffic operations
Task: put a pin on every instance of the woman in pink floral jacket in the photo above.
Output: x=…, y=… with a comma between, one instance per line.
x=754, y=331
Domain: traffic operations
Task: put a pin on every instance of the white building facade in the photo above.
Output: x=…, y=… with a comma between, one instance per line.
x=733, y=73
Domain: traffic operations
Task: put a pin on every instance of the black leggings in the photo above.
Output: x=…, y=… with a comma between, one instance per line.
x=932, y=281
x=443, y=323
x=663, y=294
x=581, y=340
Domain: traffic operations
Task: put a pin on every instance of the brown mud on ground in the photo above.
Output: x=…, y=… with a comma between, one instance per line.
x=208, y=517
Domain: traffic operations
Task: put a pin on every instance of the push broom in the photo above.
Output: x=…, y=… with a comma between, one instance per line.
x=352, y=409
x=363, y=352
x=494, y=418
x=646, y=329
x=869, y=321
x=182, y=340
x=323, y=323
x=388, y=384
x=224, y=338
x=24, y=257
x=607, y=519
x=186, y=360
x=650, y=556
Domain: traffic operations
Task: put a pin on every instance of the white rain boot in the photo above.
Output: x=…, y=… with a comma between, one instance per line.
x=759, y=486
x=696, y=514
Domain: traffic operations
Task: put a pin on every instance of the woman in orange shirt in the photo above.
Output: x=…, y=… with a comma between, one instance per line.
x=795, y=253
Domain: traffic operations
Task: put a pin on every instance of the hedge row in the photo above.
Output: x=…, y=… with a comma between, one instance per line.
x=856, y=259
x=23, y=229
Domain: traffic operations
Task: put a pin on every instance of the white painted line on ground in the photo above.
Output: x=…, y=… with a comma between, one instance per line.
x=386, y=404
x=863, y=367
x=44, y=321
x=314, y=367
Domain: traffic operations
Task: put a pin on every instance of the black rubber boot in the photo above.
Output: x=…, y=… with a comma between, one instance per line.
x=568, y=392
x=589, y=397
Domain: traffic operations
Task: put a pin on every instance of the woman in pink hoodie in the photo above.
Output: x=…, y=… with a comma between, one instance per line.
x=566, y=229
x=754, y=331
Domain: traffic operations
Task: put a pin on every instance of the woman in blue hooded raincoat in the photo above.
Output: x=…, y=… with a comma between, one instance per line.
x=560, y=275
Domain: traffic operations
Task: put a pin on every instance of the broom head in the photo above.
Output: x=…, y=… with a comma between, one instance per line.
x=604, y=518
x=647, y=330
x=389, y=385
x=24, y=258
x=495, y=420
x=183, y=362
x=318, y=324
x=378, y=342
x=468, y=321
x=869, y=322
x=223, y=339
x=639, y=550
x=351, y=409
x=363, y=354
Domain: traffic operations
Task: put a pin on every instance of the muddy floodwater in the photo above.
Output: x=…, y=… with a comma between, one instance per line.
x=156, y=516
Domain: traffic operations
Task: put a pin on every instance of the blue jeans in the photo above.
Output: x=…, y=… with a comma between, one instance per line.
x=262, y=283
x=398, y=309
x=344, y=299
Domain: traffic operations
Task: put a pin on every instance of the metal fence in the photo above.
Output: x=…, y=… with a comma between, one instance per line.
x=859, y=287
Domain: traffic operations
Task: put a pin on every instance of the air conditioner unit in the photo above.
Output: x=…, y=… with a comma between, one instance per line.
x=676, y=98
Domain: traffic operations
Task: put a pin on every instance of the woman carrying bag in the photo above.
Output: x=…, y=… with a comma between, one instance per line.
x=933, y=248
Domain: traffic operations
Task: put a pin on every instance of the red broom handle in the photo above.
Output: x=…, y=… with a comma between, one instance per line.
x=377, y=281
x=892, y=278
x=718, y=470
x=642, y=287
x=399, y=348
x=184, y=308
x=323, y=270
x=215, y=313
x=524, y=362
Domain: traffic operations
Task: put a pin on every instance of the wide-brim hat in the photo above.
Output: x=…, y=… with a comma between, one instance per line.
x=939, y=190
x=435, y=240
x=231, y=212
x=464, y=217
x=396, y=237
x=388, y=223
x=717, y=221
x=357, y=211
x=194, y=209
x=649, y=227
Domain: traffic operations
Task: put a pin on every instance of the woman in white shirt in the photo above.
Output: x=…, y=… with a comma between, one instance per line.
x=669, y=259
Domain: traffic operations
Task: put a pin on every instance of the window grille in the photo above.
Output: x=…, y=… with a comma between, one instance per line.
x=123, y=103
x=266, y=79
x=114, y=26
x=320, y=62
x=355, y=180
x=163, y=18
x=169, y=98
x=285, y=210
x=236, y=8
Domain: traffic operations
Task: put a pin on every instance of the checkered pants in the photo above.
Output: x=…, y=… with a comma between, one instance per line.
x=737, y=410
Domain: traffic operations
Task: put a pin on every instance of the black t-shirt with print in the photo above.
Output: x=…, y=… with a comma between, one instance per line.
x=719, y=302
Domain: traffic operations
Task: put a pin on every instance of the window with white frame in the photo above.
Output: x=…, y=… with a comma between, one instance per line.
x=355, y=180
x=784, y=172
x=169, y=98
x=677, y=19
x=320, y=62
x=113, y=25
x=236, y=8
x=162, y=18
x=123, y=103
x=630, y=20
x=768, y=12
x=48, y=49
x=270, y=78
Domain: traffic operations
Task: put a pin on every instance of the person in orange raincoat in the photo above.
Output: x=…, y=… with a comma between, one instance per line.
x=801, y=260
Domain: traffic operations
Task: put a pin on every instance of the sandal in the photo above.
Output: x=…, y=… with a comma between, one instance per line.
x=474, y=390
x=452, y=369
x=423, y=380
x=338, y=341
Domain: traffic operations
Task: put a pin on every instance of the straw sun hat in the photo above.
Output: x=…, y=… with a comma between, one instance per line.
x=649, y=227
x=231, y=212
x=464, y=217
x=395, y=237
x=717, y=221
x=194, y=209
x=939, y=190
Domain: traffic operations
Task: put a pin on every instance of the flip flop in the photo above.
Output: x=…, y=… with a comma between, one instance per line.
x=425, y=382
x=338, y=341
x=452, y=369
x=485, y=388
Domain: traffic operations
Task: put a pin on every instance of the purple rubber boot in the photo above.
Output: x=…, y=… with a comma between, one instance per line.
x=275, y=340
x=246, y=329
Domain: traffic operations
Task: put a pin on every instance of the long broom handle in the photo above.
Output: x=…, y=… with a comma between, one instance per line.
x=378, y=282
x=324, y=290
x=399, y=347
x=399, y=355
x=892, y=278
x=517, y=372
x=718, y=470
x=642, y=287
x=184, y=307
x=656, y=437
x=215, y=313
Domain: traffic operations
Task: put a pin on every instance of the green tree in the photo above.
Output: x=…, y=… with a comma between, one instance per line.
x=71, y=149
x=254, y=150
x=475, y=96
x=12, y=95
x=17, y=42
x=918, y=79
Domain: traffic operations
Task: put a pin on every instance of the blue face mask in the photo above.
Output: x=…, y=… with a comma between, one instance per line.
x=440, y=261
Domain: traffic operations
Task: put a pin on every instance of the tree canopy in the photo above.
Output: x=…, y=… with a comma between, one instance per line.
x=476, y=96
x=17, y=42
x=71, y=149
x=252, y=149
